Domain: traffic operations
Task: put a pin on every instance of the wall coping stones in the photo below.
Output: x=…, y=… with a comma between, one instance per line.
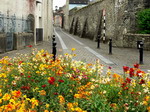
x=142, y=35
x=89, y=5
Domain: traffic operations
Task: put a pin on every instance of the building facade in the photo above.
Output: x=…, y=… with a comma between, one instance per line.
x=25, y=16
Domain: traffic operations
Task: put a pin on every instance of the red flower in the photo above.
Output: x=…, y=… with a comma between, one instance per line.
x=44, y=55
x=109, y=67
x=128, y=80
x=55, y=93
x=123, y=85
x=21, y=74
x=32, y=80
x=60, y=80
x=125, y=68
x=44, y=85
x=139, y=73
x=29, y=76
x=126, y=88
x=9, y=64
x=51, y=80
x=20, y=62
x=30, y=46
x=131, y=73
x=136, y=65
x=25, y=87
x=142, y=81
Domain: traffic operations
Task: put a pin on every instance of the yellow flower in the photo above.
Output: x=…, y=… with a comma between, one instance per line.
x=1, y=92
x=2, y=75
x=73, y=49
x=6, y=97
x=0, y=101
x=47, y=105
x=145, y=103
x=148, y=83
x=34, y=101
x=61, y=99
x=12, y=101
x=78, y=95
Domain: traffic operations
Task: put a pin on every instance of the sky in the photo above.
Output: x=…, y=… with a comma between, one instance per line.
x=58, y=3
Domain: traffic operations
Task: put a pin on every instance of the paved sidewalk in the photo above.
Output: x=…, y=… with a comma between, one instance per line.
x=86, y=50
x=120, y=57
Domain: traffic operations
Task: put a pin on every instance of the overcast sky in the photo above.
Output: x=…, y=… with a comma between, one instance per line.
x=58, y=3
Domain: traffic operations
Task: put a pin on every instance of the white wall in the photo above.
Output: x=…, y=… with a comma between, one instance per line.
x=18, y=7
x=41, y=9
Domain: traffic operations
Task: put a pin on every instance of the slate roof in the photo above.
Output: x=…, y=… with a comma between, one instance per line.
x=78, y=1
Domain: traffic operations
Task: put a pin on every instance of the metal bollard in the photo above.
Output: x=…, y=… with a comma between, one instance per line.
x=110, y=46
x=53, y=38
x=98, y=41
x=141, y=52
x=54, y=50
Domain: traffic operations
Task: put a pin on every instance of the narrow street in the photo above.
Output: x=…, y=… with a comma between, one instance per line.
x=86, y=50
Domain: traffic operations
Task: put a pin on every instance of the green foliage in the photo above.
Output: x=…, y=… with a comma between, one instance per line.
x=144, y=21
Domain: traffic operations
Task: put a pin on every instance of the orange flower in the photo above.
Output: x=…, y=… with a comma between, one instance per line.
x=16, y=94
x=10, y=107
x=148, y=108
x=78, y=96
x=61, y=99
x=70, y=105
x=42, y=93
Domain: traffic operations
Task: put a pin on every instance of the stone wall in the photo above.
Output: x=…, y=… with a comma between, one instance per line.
x=91, y=13
x=120, y=18
x=130, y=40
x=21, y=40
x=2, y=42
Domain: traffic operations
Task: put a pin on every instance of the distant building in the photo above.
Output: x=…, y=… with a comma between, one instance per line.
x=77, y=3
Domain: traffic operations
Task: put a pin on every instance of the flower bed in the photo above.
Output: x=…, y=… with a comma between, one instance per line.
x=36, y=83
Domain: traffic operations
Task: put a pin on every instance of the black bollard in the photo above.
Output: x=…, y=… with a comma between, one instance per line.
x=110, y=46
x=53, y=38
x=54, y=50
x=98, y=41
x=141, y=52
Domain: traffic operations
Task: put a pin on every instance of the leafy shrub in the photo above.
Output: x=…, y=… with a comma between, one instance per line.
x=144, y=21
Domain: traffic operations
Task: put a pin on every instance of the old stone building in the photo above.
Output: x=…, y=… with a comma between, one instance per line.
x=115, y=18
x=21, y=18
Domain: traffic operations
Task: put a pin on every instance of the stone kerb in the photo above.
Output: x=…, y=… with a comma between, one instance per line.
x=130, y=40
x=2, y=42
x=21, y=40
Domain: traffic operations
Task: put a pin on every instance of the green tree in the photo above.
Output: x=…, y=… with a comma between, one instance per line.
x=144, y=21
